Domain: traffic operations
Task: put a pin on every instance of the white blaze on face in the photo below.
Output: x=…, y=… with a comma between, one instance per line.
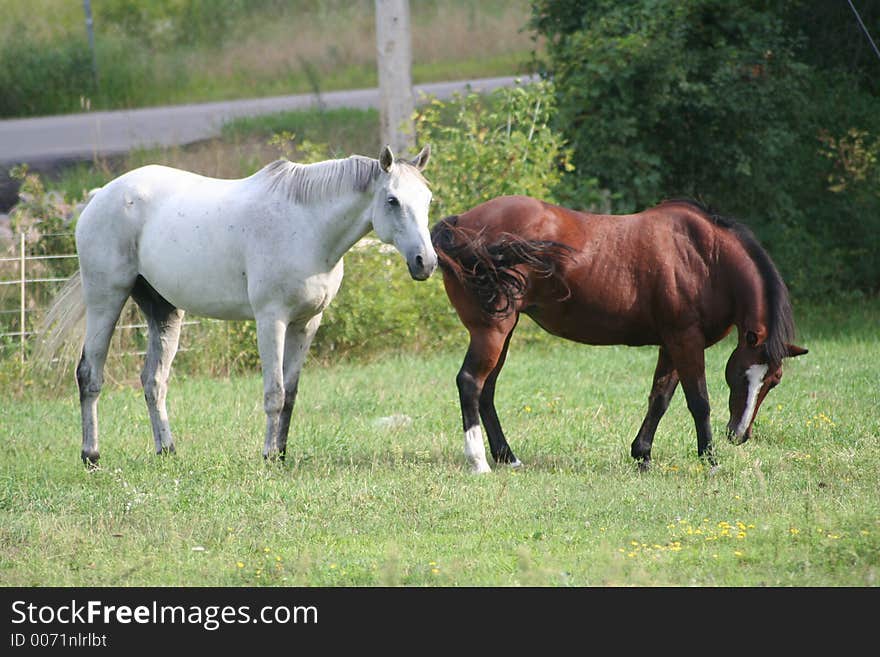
x=755, y=376
x=475, y=451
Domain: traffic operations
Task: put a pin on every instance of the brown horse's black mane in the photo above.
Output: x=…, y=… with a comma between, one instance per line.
x=781, y=319
x=489, y=270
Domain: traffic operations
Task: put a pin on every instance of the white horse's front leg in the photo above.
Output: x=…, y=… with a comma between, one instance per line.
x=296, y=348
x=270, y=342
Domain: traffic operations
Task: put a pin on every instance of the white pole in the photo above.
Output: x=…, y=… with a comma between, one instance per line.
x=21, y=308
x=394, y=62
x=90, y=29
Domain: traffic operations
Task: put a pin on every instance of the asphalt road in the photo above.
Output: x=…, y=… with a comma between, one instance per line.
x=44, y=140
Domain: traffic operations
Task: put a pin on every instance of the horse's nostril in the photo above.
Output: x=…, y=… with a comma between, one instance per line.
x=419, y=261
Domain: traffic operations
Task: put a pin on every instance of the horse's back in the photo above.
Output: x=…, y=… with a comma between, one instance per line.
x=142, y=188
x=524, y=216
x=122, y=207
x=177, y=229
x=630, y=278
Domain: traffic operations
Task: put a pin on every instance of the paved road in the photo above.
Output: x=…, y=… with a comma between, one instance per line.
x=81, y=136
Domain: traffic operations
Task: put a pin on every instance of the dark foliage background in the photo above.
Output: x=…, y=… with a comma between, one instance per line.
x=767, y=111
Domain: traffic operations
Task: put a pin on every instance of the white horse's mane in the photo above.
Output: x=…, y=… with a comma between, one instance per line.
x=306, y=183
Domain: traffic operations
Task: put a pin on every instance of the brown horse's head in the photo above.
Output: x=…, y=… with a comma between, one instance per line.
x=751, y=373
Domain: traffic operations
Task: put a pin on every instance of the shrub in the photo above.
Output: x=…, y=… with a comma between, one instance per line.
x=46, y=220
x=42, y=77
x=487, y=146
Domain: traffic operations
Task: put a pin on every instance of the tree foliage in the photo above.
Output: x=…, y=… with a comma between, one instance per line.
x=746, y=106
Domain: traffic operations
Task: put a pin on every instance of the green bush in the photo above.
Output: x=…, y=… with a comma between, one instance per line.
x=44, y=78
x=379, y=308
x=487, y=146
x=164, y=23
x=55, y=76
x=46, y=218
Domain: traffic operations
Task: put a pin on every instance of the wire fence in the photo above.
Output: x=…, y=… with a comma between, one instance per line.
x=29, y=282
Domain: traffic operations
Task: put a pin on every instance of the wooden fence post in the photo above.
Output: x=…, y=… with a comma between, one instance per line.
x=394, y=61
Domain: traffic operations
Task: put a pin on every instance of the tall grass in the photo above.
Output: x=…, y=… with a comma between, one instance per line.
x=158, y=52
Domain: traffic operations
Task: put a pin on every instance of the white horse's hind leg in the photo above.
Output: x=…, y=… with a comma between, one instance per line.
x=157, y=368
x=296, y=347
x=163, y=341
x=164, y=322
x=100, y=322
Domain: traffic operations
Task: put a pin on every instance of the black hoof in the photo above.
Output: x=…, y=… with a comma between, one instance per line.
x=90, y=459
x=708, y=457
x=644, y=465
x=711, y=462
x=165, y=451
x=506, y=457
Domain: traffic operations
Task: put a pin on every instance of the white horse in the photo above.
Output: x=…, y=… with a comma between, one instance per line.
x=268, y=247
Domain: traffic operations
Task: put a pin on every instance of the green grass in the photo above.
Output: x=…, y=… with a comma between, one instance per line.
x=357, y=504
x=344, y=130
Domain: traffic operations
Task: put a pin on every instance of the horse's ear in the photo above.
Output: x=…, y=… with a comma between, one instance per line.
x=793, y=350
x=386, y=158
x=420, y=161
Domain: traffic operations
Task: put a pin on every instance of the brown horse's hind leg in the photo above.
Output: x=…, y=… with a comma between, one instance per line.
x=665, y=382
x=484, y=352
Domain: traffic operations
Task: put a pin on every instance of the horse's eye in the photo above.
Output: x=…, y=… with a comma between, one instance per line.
x=392, y=200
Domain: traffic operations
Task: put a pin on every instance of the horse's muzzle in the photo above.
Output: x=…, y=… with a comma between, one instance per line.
x=738, y=440
x=421, y=267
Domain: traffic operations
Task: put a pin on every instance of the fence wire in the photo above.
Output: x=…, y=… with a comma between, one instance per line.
x=29, y=282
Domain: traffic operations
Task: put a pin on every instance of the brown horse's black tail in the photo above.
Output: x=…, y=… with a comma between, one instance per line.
x=490, y=270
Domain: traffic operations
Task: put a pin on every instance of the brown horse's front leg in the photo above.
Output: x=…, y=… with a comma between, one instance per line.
x=482, y=358
x=686, y=353
x=501, y=452
x=665, y=382
x=698, y=404
x=469, y=388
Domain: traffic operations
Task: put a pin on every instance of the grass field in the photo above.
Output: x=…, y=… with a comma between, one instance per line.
x=152, y=53
x=360, y=502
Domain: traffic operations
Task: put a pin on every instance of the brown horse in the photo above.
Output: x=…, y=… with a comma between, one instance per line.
x=675, y=275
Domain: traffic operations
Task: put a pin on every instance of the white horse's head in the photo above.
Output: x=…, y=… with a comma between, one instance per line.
x=400, y=211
